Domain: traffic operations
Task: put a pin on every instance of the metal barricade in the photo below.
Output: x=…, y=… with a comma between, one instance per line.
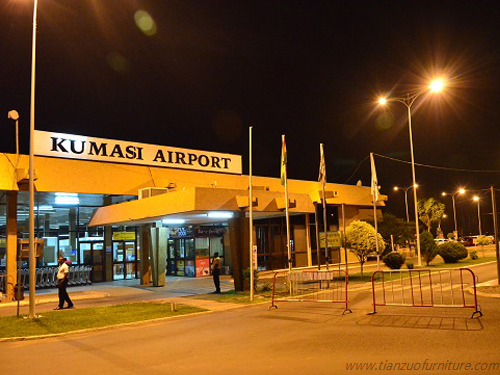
x=88, y=270
x=25, y=278
x=425, y=288
x=311, y=286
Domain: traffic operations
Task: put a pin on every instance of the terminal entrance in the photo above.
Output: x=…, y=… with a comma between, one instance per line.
x=124, y=260
x=91, y=254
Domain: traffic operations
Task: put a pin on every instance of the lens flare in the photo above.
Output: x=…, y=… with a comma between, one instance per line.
x=145, y=22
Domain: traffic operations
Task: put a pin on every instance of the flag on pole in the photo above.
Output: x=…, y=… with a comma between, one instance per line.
x=322, y=164
x=374, y=186
x=283, y=161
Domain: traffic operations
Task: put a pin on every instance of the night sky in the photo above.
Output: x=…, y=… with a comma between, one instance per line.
x=207, y=70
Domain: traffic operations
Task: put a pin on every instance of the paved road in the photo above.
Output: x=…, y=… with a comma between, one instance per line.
x=294, y=339
x=297, y=338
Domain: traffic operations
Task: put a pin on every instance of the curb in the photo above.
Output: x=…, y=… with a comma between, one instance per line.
x=487, y=295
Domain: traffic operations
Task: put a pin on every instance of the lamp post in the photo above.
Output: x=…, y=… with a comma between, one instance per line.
x=396, y=188
x=434, y=86
x=452, y=195
x=32, y=258
x=476, y=199
x=14, y=115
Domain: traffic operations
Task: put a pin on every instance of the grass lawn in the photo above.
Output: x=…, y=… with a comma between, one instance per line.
x=77, y=319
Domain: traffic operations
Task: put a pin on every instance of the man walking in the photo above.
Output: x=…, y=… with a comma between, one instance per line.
x=62, y=283
x=216, y=272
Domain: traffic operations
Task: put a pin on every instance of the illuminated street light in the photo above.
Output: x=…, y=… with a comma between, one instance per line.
x=435, y=86
x=396, y=188
x=460, y=191
x=476, y=199
x=14, y=115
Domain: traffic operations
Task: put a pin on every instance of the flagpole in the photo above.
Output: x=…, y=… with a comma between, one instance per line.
x=325, y=225
x=317, y=234
x=250, y=209
x=286, y=208
x=344, y=238
x=374, y=189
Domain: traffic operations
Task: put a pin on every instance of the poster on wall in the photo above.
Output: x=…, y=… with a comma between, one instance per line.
x=190, y=269
x=202, y=267
x=180, y=268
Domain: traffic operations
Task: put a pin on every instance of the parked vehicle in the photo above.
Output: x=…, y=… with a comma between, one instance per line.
x=440, y=241
x=467, y=240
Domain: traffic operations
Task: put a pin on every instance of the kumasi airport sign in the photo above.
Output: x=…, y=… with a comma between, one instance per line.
x=71, y=146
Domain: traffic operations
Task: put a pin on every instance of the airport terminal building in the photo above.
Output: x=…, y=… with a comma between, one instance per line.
x=140, y=211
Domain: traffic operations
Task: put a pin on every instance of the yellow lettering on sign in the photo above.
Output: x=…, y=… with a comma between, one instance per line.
x=334, y=239
x=119, y=236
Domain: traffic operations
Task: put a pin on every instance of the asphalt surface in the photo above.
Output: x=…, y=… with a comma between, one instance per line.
x=296, y=338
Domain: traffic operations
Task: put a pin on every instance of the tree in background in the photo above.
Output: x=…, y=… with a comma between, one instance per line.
x=429, y=211
x=428, y=247
x=401, y=230
x=361, y=239
x=482, y=240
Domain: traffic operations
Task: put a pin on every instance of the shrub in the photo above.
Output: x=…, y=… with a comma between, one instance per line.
x=428, y=247
x=246, y=275
x=410, y=265
x=452, y=252
x=267, y=287
x=473, y=255
x=394, y=260
x=450, y=236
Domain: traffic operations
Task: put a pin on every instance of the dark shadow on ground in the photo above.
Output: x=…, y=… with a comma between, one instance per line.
x=442, y=323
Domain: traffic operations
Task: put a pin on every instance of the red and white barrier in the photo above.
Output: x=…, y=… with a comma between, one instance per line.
x=311, y=286
x=425, y=288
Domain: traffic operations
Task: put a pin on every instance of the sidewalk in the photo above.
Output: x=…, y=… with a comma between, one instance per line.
x=127, y=291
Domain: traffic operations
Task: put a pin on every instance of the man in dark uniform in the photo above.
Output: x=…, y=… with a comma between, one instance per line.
x=216, y=272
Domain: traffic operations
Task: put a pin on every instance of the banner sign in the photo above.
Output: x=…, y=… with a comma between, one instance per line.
x=209, y=231
x=119, y=236
x=70, y=146
x=334, y=239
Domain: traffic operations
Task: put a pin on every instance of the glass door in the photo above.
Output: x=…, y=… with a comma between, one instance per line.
x=91, y=254
x=118, y=260
x=181, y=257
x=124, y=260
x=130, y=260
x=97, y=273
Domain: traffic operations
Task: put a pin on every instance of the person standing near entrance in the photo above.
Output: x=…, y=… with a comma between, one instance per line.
x=216, y=272
x=62, y=283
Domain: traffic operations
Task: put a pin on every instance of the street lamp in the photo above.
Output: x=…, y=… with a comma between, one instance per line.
x=396, y=188
x=460, y=191
x=435, y=86
x=32, y=258
x=14, y=115
x=476, y=199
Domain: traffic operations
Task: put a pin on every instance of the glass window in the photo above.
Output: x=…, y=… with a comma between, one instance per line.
x=85, y=253
x=189, y=248
x=66, y=250
x=50, y=255
x=216, y=246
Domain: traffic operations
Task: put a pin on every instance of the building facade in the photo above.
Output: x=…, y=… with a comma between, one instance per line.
x=99, y=210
